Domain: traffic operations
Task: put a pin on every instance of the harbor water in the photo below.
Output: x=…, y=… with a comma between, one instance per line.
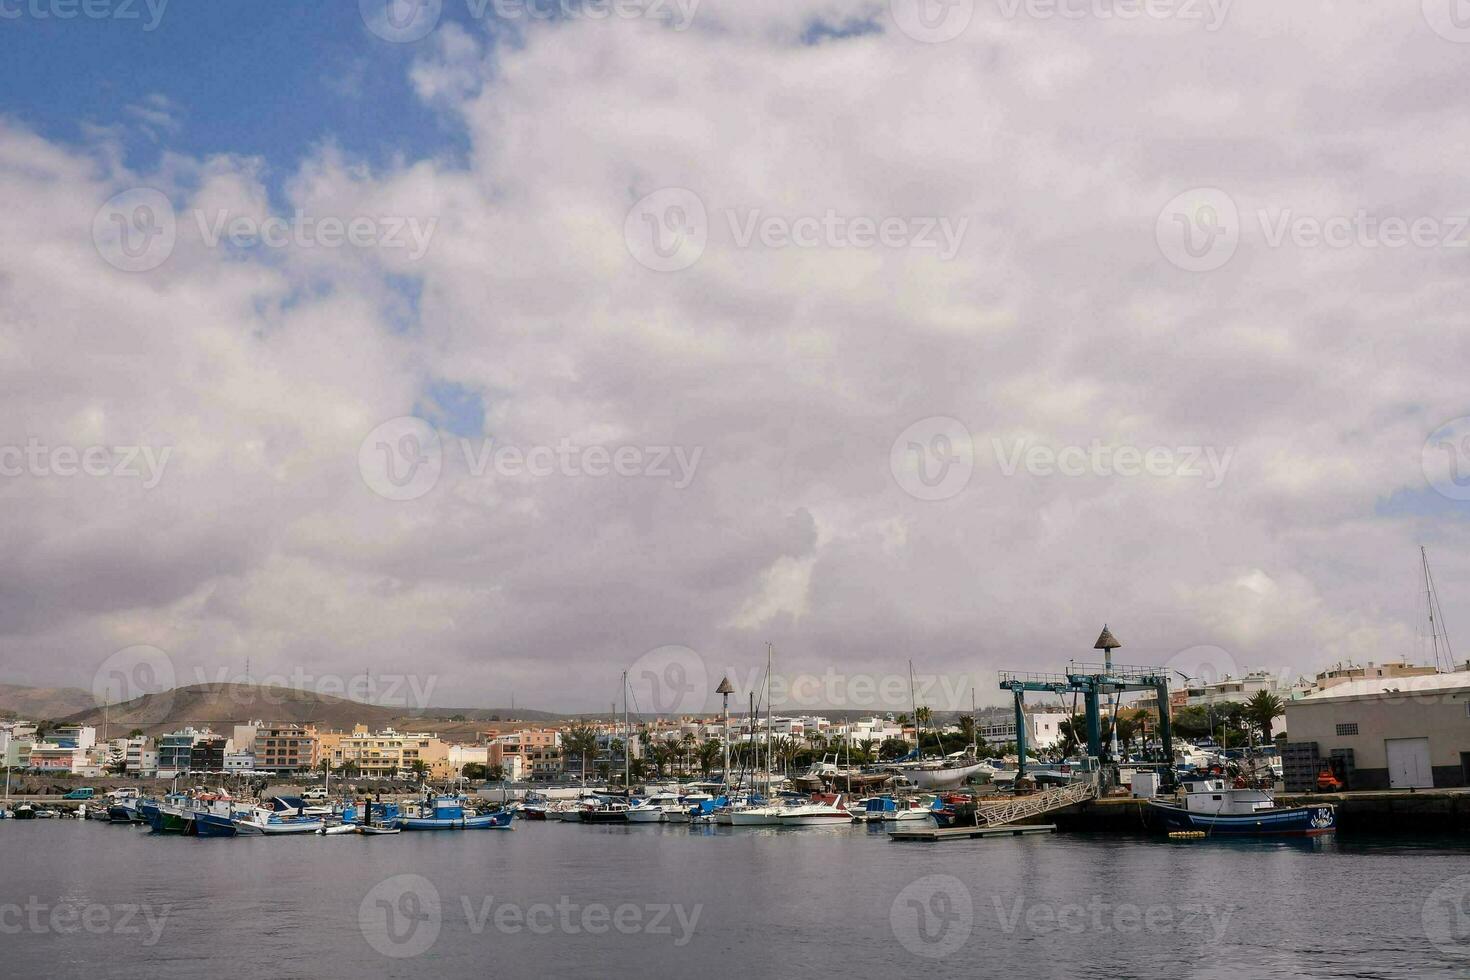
x=86, y=900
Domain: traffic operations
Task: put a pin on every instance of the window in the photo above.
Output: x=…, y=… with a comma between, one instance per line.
x=1347, y=728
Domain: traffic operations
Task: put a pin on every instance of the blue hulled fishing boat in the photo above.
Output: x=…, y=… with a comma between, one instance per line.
x=1212, y=807
x=449, y=813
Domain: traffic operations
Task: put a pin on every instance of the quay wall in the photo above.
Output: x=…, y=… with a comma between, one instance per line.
x=1424, y=811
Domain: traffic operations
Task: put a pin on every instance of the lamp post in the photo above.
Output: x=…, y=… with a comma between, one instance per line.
x=725, y=690
x=1107, y=643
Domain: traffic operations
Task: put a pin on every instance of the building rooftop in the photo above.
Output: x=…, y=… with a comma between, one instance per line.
x=1375, y=686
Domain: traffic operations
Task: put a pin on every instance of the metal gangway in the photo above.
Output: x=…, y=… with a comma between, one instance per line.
x=1037, y=803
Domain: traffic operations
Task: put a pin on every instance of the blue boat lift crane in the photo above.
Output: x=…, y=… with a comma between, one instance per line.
x=1096, y=683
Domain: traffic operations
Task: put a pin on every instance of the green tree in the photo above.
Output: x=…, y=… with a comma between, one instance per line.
x=709, y=753
x=1261, y=710
x=893, y=748
x=475, y=772
x=495, y=773
x=581, y=741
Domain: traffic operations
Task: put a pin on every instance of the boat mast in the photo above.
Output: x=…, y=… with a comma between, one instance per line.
x=627, y=748
x=974, y=726
x=768, y=719
x=1436, y=625
x=918, y=731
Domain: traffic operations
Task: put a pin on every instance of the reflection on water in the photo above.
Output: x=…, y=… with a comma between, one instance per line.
x=91, y=900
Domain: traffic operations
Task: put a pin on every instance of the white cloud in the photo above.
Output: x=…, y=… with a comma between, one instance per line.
x=794, y=369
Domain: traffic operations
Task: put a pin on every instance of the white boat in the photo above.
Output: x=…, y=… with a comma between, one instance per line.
x=816, y=813
x=757, y=816
x=341, y=828
x=941, y=774
x=659, y=808
x=271, y=824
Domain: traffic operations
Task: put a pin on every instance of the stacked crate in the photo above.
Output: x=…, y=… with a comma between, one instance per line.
x=1300, y=763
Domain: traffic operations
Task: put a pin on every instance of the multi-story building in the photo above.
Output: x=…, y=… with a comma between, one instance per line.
x=1347, y=673
x=1043, y=730
x=386, y=754
x=208, y=754
x=285, y=747
x=141, y=757
x=52, y=757
x=176, y=750
x=240, y=761
x=535, y=752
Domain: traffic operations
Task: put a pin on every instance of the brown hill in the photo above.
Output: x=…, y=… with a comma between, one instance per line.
x=219, y=706
x=43, y=703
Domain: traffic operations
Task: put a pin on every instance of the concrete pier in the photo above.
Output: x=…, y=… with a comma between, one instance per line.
x=1425, y=811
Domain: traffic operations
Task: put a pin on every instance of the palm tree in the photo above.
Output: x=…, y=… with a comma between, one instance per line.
x=1263, y=708
x=686, y=744
x=581, y=740
x=708, y=753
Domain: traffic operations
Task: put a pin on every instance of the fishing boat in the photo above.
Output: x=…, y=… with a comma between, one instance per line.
x=449, y=813
x=825, y=808
x=1211, y=806
x=172, y=815
x=269, y=824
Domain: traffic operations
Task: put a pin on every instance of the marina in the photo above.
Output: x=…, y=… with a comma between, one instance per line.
x=833, y=899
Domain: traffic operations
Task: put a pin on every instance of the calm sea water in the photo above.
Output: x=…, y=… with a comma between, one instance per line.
x=85, y=899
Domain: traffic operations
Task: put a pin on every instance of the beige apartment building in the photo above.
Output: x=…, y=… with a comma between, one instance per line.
x=385, y=754
x=284, y=748
x=537, y=749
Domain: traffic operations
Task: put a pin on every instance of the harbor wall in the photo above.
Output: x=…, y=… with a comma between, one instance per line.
x=1424, y=811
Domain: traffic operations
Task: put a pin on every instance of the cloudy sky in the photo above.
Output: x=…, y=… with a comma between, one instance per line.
x=481, y=351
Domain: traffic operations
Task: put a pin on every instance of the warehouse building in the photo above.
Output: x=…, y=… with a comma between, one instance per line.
x=1383, y=733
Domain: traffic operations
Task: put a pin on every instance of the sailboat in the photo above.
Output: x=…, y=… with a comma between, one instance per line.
x=949, y=772
x=760, y=812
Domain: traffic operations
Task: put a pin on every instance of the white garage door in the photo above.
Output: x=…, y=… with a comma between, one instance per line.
x=1408, y=763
